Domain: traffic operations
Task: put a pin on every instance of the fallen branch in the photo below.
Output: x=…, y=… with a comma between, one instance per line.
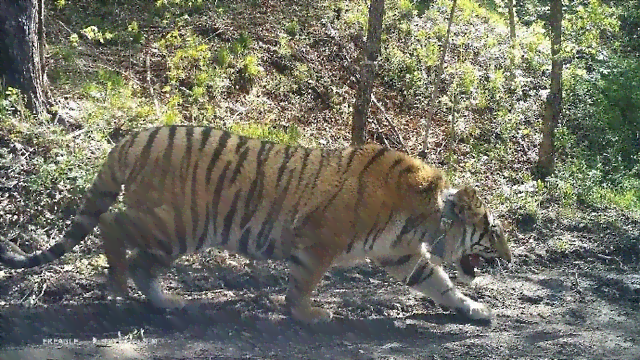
x=379, y=130
x=608, y=259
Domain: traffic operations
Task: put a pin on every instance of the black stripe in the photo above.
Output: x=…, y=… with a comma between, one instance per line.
x=407, y=170
x=263, y=236
x=262, y=239
x=98, y=202
x=303, y=193
x=295, y=260
x=395, y=164
x=144, y=157
x=217, y=196
x=262, y=164
x=166, y=166
x=242, y=142
x=303, y=168
x=366, y=238
x=205, y=232
x=323, y=157
x=373, y=159
x=417, y=275
x=343, y=177
x=473, y=232
x=124, y=149
x=479, y=242
x=243, y=243
x=250, y=205
x=204, y=137
x=228, y=219
x=188, y=138
x=271, y=247
x=418, y=279
x=195, y=211
x=393, y=262
x=238, y=166
x=79, y=230
x=284, y=165
x=222, y=144
x=167, y=158
x=380, y=231
x=410, y=224
x=446, y=291
x=347, y=166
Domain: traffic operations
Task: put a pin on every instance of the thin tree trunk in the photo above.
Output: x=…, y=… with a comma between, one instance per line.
x=511, y=74
x=553, y=104
x=371, y=53
x=512, y=22
x=435, y=93
x=22, y=51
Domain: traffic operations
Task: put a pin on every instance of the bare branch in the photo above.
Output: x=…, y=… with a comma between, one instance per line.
x=436, y=87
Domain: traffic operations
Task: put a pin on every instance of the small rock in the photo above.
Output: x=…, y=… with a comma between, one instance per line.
x=541, y=253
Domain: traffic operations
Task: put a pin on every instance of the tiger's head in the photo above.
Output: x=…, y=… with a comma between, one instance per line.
x=471, y=233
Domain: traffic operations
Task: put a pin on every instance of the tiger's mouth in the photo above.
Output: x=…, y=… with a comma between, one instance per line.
x=469, y=263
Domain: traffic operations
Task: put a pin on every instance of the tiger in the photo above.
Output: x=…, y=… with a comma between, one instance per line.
x=189, y=188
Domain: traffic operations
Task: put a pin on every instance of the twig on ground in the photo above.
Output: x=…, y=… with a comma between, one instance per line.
x=375, y=120
x=609, y=258
x=44, y=287
x=23, y=299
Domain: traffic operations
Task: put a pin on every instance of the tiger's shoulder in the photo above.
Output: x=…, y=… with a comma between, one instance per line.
x=395, y=176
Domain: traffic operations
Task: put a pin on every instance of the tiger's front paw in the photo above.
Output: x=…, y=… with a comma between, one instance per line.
x=474, y=310
x=311, y=315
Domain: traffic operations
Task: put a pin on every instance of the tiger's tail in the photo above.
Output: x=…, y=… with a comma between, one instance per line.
x=101, y=195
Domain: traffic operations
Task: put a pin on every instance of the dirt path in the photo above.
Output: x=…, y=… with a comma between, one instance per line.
x=572, y=310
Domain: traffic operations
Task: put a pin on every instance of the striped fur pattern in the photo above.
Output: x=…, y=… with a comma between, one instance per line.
x=190, y=188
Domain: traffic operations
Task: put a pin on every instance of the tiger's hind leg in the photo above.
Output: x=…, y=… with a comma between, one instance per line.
x=307, y=266
x=144, y=231
x=417, y=272
x=115, y=250
x=145, y=269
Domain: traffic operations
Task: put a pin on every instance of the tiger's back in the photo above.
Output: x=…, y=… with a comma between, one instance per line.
x=189, y=188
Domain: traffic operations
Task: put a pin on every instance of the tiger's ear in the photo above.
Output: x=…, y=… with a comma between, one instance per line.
x=467, y=205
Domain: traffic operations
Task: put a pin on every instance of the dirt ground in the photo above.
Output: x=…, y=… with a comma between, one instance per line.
x=577, y=305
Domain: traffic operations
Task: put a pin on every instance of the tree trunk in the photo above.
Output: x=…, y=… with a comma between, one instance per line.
x=436, y=88
x=22, y=51
x=367, y=74
x=512, y=22
x=553, y=104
